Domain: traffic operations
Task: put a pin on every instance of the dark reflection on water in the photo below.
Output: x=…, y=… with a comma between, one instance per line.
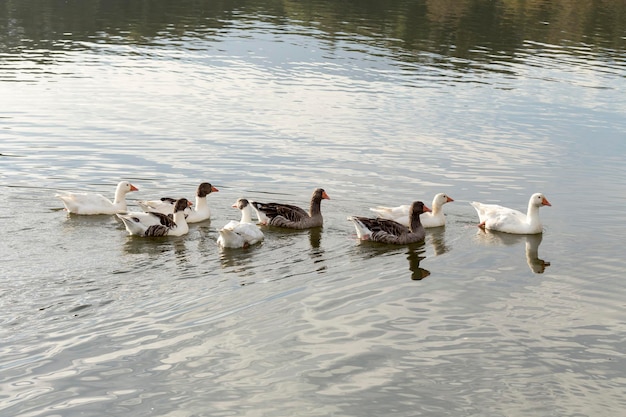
x=388, y=254
x=415, y=257
x=424, y=32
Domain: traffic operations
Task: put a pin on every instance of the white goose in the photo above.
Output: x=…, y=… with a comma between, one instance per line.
x=400, y=214
x=90, y=203
x=158, y=224
x=503, y=219
x=243, y=233
x=165, y=205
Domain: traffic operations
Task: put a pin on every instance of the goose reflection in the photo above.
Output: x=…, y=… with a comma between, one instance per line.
x=414, y=254
x=532, y=254
x=317, y=253
x=415, y=257
x=315, y=237
x=532, y=242
x=236, y=259
x=154, y=246
x=436, y=238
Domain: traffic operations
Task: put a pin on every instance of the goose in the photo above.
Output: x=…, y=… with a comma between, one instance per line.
x=165, y=205
x=435, y=218
x=90, y=203
x=503, y=219
x=151, y=218
x=390, y=231
x=243, y=233
x=292, y=217
x=158, y=224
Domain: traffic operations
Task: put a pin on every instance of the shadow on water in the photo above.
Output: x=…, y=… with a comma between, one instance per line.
x=532, y=242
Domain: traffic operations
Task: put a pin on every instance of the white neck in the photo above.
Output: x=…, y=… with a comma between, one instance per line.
x=246, y=215
x=435, y=207
x=179, y=219
x=532, y=215
x=120, y=196
x=201, y=203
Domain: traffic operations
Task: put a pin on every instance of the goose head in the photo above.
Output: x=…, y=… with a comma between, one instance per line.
x=181, y=204
x=417, y=208
x=320, y=194
x=205, y=189
x=246, y=210
x=538, y=200
x=126, y=187
x=441, y=199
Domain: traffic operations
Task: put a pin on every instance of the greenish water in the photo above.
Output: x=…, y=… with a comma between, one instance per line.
x=377, y=104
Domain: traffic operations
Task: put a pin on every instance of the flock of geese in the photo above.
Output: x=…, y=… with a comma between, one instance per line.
x=393, y=225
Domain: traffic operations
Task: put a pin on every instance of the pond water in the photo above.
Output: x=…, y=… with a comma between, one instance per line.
x=379, y=105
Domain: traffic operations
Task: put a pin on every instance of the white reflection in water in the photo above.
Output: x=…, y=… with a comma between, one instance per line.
x=531, y=246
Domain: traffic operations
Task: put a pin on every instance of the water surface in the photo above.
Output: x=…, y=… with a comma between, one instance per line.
x=378, y=104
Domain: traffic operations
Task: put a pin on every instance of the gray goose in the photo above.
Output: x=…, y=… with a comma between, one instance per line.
x=390, y=231
x=292, y=217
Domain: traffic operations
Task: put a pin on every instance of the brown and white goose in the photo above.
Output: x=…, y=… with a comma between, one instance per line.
x=390, y=231
x=292, y=217
x=243, y=233
x=158, y=224
x=165, y=205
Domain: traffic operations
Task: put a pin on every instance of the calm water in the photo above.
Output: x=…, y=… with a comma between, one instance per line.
x=488, y=101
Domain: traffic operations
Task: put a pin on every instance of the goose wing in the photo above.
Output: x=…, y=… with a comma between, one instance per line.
x=288, y=211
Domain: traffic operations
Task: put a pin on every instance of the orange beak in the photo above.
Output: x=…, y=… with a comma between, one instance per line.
x=449, y=200
x=234, y=206
x=426, y=209
x=214, y=190
x=133, y=188
x=545, y=202
x=189, y=204
x=325, y=196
